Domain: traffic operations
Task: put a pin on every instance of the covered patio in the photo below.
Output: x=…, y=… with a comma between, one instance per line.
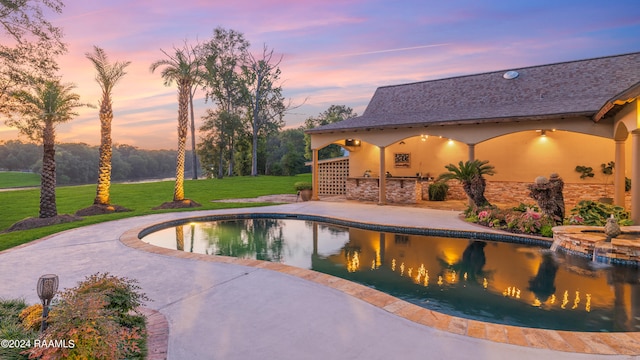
x=527, y=122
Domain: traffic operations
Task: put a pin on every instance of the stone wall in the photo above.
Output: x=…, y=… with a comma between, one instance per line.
x=398, y=191
x=507, y=192
x=402, y=191
x=497, y=192
x=362, y=189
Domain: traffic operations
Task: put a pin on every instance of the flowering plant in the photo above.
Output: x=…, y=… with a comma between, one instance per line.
x=484, y=215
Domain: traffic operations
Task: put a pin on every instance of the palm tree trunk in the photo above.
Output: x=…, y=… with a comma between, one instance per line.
x=477, y=186
x=48, y=178
x=183, y=124
x=104, y=168
x=180, y=237
x=193, y=138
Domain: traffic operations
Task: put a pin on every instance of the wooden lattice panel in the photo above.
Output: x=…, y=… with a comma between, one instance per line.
x=332, y=176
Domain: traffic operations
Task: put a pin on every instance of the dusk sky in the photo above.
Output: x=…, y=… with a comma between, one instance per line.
x=334, y=52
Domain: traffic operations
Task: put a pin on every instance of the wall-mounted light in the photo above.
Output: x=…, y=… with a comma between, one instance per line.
x=424, y=137
x=543, y=132
x=352, y=142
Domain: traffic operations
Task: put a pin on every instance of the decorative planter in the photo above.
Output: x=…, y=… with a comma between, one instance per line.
x=305, y=194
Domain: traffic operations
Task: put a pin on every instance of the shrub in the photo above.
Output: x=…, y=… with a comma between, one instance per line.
x=438, y=191
x=10, y=308
x=491, y=216
x=522, y=207
x=31, y=317
x=11, y=328
x=302, y=185
x=529, y=222
x=122, y=294
x=85, y=320
x=546, y=230
x=596, y=213
x=15, y=330
x=99, y=315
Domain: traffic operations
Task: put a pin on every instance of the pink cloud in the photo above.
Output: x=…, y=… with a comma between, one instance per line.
x=335, y=52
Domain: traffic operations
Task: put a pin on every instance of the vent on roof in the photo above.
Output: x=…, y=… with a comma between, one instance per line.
x=510, y=75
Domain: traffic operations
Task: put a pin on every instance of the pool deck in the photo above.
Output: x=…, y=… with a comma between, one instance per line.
x=225, y=308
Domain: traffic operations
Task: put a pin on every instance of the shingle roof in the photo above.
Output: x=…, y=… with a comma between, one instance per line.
x=569, y=88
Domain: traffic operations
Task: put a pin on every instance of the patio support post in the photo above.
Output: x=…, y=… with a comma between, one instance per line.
x=382, y=194
x=314, y=176
x=635, y=177
x=618, y=180
x=472, y=151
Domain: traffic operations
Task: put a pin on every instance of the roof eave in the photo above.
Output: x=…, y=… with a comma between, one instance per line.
x=507, y=119
x=625, y=97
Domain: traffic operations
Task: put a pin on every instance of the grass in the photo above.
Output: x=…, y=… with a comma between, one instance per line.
x=13, y=179
x=140, y=198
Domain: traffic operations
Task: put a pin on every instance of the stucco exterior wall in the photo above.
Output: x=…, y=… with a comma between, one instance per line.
x=426, y=157
x=519, y=157
x=525, y=155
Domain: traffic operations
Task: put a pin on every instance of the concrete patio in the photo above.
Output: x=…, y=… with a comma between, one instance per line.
x=219, y=308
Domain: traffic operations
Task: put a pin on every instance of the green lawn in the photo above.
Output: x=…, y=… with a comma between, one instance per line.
x=21, y=204
x=13, y=179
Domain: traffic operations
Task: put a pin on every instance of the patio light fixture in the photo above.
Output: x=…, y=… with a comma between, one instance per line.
x=352, y=142
x=47, y=287
x=543, y=132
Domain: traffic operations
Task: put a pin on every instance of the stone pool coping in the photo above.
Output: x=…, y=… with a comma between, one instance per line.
x=619, y=343
x=581, y=240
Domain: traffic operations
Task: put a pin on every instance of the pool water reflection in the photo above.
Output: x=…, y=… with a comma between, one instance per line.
x=496, y=282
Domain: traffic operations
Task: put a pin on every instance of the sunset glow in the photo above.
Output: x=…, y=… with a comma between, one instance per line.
x=334, y=52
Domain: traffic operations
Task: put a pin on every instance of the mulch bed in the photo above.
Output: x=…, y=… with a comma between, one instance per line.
x=98, y=209
x=33, y=222
x=181, y=204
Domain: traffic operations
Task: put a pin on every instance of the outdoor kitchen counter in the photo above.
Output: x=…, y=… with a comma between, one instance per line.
x=403, y=190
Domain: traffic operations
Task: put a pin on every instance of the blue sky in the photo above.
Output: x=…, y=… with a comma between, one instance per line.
x=334, y=52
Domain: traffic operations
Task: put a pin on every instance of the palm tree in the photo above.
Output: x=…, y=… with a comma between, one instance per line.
x=183, y=68
x=108, y=74
x=470, y=174
x=49, y=104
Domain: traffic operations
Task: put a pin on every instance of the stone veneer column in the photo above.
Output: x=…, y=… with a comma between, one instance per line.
x=314, y=175
x=382, y=183
x=635, y=176
x=619, y=171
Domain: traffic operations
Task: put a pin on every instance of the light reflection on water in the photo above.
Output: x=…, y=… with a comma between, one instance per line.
x=489, y=281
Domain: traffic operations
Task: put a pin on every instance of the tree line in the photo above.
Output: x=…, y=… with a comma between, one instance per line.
x=77, y=163
x=283, y=153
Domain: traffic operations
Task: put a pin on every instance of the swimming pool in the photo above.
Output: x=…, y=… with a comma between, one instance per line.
x=520, y=284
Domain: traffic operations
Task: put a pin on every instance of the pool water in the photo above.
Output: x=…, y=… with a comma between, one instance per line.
x=505, y=283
